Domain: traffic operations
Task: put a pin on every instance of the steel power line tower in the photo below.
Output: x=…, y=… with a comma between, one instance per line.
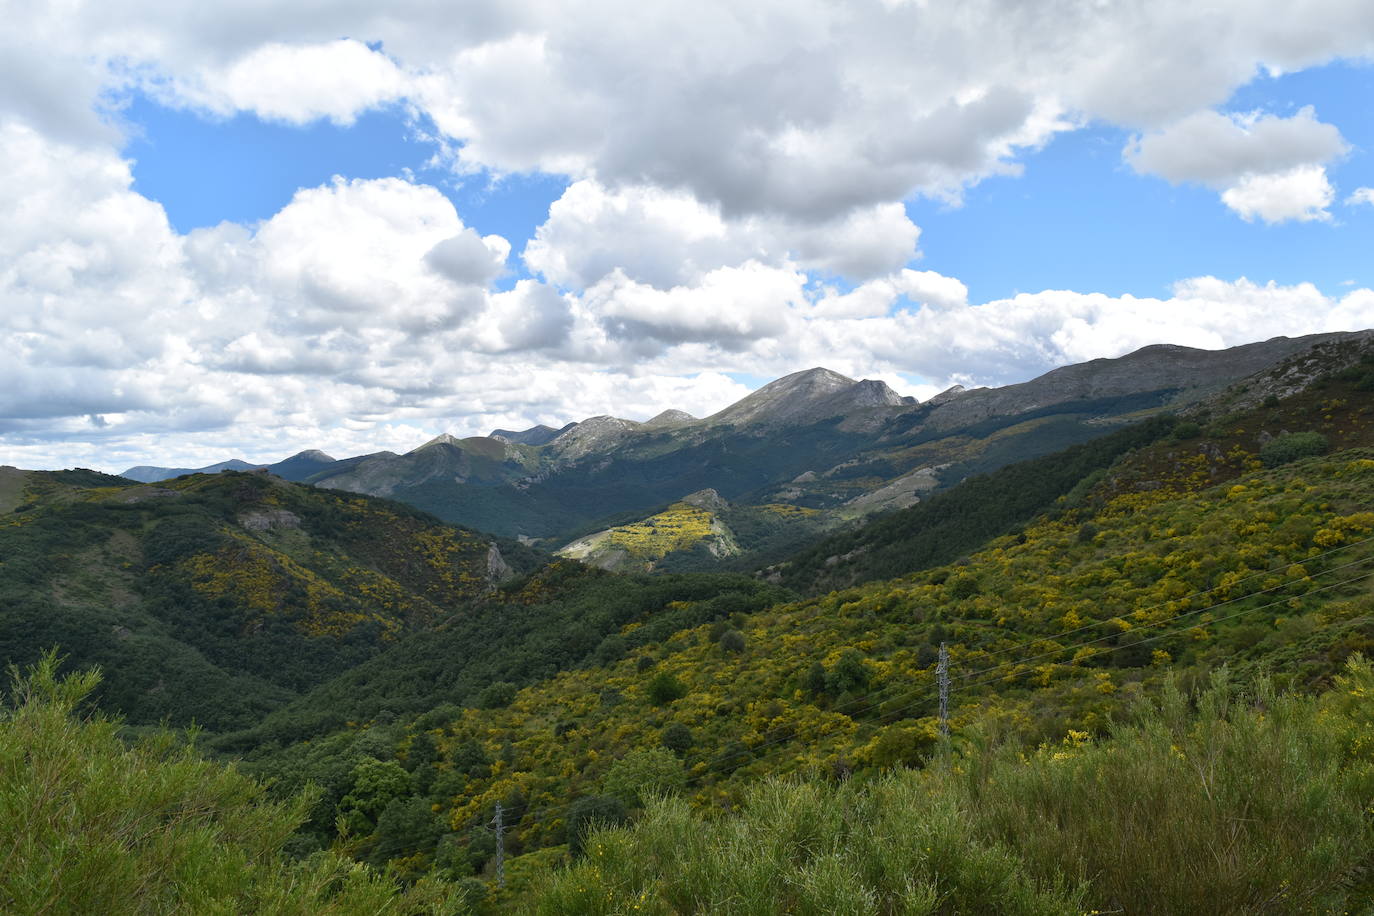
x=499, y=827
x=942, y=676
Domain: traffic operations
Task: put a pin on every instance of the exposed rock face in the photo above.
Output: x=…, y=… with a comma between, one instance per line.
x=948, y=394
x=707, y=499
x=805, y=397
x=906, y=490
x=267, y=519
x=594, y=434
x=535, y=435
x=498, y=570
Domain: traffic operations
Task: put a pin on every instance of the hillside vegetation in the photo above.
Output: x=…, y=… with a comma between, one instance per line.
x=216, y=598
x=1256, y=802
x=92, y=825
x=688, y=742
x=1187, y=553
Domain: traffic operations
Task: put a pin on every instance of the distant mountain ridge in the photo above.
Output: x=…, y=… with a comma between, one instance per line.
x=814, y=439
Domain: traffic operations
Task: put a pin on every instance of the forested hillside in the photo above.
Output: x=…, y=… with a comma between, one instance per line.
x=216, y=598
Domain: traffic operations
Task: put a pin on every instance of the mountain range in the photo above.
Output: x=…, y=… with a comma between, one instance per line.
x=812, y=450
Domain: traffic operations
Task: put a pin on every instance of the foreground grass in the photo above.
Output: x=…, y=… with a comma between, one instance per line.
x=1243, y=802
x=90, y=825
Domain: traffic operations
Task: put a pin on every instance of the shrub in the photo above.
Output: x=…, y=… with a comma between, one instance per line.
x=496, y=696
x=587, y=814
x=94, y=826
x=732, y=641
x=1255, y=802
x=643, y=774
x=664, y=689
x=677, y=738
x=1291, y=447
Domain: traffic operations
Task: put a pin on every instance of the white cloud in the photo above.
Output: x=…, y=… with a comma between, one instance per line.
x=1360, y=196
x=730, y=307
x=669, y=238
x=299, y=83
x=1263, y=165
x=1300, y=194
x=726, y=163
x=810, y=109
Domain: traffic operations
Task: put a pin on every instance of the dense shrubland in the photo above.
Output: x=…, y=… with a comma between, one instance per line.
x=1059, y=629
x=1232, y=801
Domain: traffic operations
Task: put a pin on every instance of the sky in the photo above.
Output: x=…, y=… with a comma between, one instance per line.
x=245, y=230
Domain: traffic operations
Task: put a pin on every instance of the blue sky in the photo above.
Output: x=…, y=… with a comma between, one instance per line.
x=255, y=230
x=1077, y=217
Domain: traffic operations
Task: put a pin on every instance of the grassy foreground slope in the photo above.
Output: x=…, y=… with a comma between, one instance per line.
x=92, y=825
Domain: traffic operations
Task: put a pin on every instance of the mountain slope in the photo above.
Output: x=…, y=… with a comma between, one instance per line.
x=218, y=597
x=1061, y=625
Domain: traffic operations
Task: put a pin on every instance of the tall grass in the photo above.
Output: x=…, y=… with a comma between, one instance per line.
x=1233, y=802
x=89, y=825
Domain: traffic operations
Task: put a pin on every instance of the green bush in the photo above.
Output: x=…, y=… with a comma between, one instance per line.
x=496, y=696
x=1291, y=447
x=664, y=689
x=91, y=825
x=587, y=814
x=643, y=774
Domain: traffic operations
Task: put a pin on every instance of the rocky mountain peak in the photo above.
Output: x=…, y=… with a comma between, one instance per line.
x=949, y=394
x=311, y=454
x=873, y=393
x=592, y=434
x=441, y=439
x=786, y=399
x=669, y=417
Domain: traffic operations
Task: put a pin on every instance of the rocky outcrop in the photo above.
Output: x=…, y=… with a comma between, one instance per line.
x=269, y=519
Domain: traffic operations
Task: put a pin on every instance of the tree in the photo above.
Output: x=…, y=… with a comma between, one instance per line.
x=732, y=641
x=375, y=785
x=664, y=689
x=642, y=774
x=677, y=738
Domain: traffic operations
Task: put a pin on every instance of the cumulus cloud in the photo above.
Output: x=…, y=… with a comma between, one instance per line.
x=1360, y=196
x=297, y=83
x=735, y=203
x=1301, y=194
x=669, y=238
x=811, y=110
x=1263, y=165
